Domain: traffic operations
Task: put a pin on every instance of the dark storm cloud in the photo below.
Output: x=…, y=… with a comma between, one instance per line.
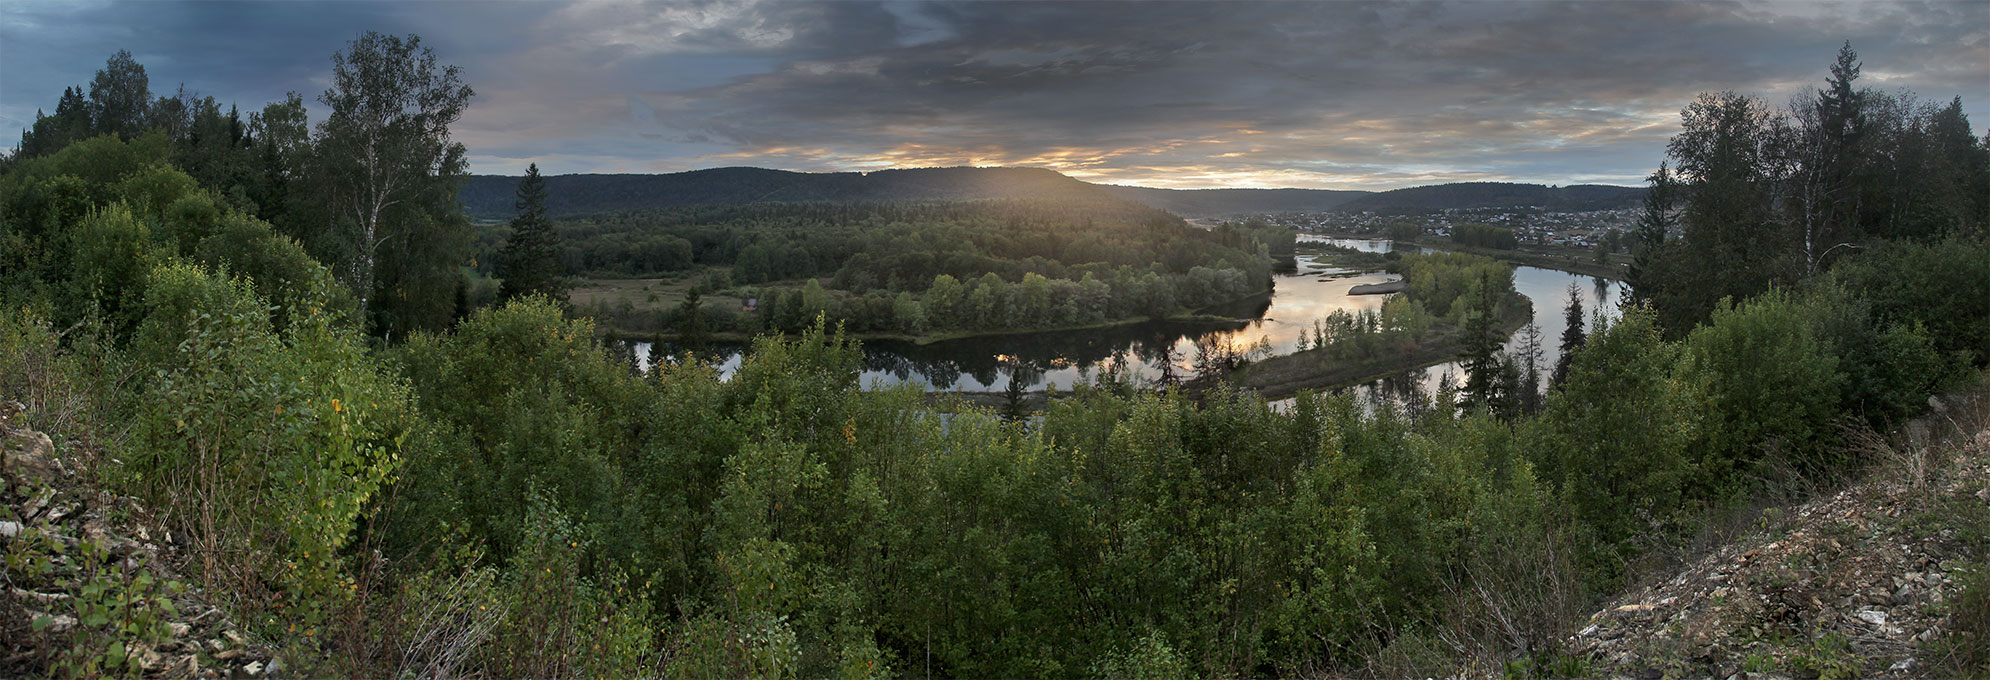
x=1183, y=94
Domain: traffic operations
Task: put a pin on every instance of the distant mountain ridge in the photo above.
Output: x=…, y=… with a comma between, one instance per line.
x=491, y=196
x=1229, y=202
x=1469, y=195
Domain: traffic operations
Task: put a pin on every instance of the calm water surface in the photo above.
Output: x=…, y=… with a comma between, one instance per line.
x=1271, y=323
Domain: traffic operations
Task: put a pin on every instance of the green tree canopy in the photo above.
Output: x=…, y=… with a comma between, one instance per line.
x=391, y=225
x=531, y=261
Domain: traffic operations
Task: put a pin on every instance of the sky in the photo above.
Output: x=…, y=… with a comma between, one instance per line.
x=1325, y=95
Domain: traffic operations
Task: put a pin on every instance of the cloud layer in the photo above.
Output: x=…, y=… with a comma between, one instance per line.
x=1174, y=94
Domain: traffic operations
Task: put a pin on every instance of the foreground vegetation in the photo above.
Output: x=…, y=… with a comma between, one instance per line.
x=787, y=522
x=500, y=497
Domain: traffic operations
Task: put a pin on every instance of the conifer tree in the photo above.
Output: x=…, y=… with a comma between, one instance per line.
x=1528, y=361
x=1655, y=221
x=656, y=355
x=70, y=123
x=531, y=261
x=1482, y=344
x=1572, y=336
x=691, y=320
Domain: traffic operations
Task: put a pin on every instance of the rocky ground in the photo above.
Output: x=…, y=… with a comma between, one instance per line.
x=89, y=586
x=1859, y=583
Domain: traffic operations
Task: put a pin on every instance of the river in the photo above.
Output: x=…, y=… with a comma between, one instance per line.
x=1272, y=322
x=1547, y=289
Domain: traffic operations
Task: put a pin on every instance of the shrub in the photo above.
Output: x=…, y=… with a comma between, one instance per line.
x=1889, y=368
x=1614, y=442
x=1770, y=386
x=265, y=447
x=1944, y=287
x=523, y=401
x=110, y=257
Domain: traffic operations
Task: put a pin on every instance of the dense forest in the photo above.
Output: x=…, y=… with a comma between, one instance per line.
x=490, y=196
x=912, y=268
x=378, y=482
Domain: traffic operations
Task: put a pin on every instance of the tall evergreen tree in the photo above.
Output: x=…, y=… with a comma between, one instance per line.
x=1507, y=402
x=70, y=123
x=1529, y=364
x=1015, y=395
x=1733, y=247
x=1956, y=178
x=1482, y=345
x=1828, y=151
x=656, y=356
x=1655, y=222
x=531, y=261
x=1573, y=336
x=691, y=320
x=1165, y=357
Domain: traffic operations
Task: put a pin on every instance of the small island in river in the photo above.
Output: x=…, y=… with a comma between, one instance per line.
x=1396, y=286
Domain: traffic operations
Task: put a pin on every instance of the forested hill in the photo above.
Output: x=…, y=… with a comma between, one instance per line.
x=1229, y=202
x=1465, y=195
x=491, y=196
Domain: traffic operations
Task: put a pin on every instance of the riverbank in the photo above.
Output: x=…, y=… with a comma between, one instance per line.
x=1566, y=262
x=1284, y=376
x=608, y=329
x=927, y=339
x=1573, y=261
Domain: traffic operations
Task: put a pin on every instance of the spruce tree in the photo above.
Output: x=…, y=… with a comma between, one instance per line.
x=1572, y=336
x=531, y=260
x=1482, y=345
x=1655, y=221
x=691, y=320
x=656, y=355
x=1528, y=361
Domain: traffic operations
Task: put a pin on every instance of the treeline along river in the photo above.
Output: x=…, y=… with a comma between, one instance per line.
x=1270, y=324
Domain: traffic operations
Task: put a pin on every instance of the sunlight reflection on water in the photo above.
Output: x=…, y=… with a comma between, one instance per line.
x=1313, y=291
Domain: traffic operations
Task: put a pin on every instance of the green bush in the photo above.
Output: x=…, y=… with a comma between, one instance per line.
x=1943, y=287
x=110, y=257
x=1770, y=387
x=1888, y=368
x=1148, y=658
x=524, y=400
x=1616, y=442
x=559, y=623
x=277, y=266
x=152, y=190
x=266, y=444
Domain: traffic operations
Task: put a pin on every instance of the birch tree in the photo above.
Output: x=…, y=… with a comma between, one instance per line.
x=392, y=222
